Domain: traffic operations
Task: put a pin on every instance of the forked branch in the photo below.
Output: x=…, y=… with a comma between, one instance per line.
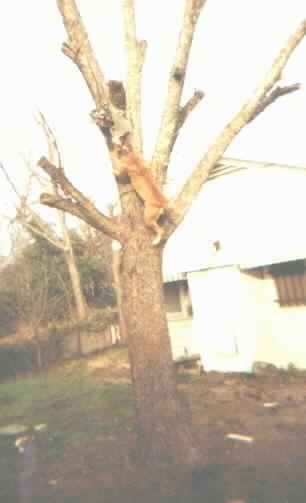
x=259, y=100
x=173, y=116
x=54, y=154
x=273, y=96
x=74, y=202
x=28, y=217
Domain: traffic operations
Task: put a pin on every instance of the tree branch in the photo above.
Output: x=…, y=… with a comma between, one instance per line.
x=273, y=96
x=135, y=57
x=13, y=186
x=189, y=106
x=28, y=217
x=183, y=113
x=194, y=183
x=170, y=122
x=77, y=204
x=79, y=50
x=68, y=205
x=40, y=232
x=53, y=148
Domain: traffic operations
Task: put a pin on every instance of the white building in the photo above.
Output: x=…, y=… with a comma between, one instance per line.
x=241, y=254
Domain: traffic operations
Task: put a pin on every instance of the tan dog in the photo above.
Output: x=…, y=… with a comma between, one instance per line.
x=131, y=164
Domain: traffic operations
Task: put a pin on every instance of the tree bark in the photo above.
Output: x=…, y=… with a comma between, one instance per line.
x=116, y=265
x=80, y=302
x=163, y=435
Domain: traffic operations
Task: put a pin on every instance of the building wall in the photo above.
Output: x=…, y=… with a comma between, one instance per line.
x=181, y=337
x=288, y=326
x=88, y=342
x=180, y=319
x=280, y=330
x=258, y=304
x=237, y=321
x=222, y=326
x=255, y=215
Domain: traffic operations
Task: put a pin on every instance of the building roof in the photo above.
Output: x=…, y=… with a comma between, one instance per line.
x=254, y=210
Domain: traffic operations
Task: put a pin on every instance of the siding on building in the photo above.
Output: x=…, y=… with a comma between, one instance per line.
x=255, y=212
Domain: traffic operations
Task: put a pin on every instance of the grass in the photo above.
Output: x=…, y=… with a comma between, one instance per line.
x=74, y=405
x=79, y=401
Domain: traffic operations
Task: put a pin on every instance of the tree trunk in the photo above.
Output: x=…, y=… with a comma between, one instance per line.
x=39, y=361
x=38, y=356
x=80, y=301
x=116, y=264
x=163, y=436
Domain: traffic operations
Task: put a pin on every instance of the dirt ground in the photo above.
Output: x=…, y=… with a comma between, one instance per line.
x=264, y=463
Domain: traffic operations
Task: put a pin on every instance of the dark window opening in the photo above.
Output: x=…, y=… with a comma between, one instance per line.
x=290, y=282
x=177, y=298
x=172, y=297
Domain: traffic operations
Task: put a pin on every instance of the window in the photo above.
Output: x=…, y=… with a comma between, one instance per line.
x=177, y=298
x=172, y=296
x=290, y=282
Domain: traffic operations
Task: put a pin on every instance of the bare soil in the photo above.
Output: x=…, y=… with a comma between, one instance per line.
x=267, y=464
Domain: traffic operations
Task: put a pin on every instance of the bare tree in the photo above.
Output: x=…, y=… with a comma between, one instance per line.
x=54, y=153
x=31, y=289
x=31, y=220
x=162, y=434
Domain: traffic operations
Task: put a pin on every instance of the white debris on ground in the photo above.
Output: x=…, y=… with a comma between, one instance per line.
x=240, y=438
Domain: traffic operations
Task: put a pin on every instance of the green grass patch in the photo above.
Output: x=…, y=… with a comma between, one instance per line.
x=75, y=406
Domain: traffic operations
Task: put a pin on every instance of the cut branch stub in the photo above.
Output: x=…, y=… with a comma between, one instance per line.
x=117, y=94
x=189, y=106
x=56, y=174
x=111, y=118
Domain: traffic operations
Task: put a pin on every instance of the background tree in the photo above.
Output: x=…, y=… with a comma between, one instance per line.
x=8, y=309
x=31, y=282
x=162, y=434
x=94, y=256
x=32, y=220
x=36, y=271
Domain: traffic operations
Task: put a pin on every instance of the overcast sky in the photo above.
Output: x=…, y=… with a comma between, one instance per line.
x=234, y=45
